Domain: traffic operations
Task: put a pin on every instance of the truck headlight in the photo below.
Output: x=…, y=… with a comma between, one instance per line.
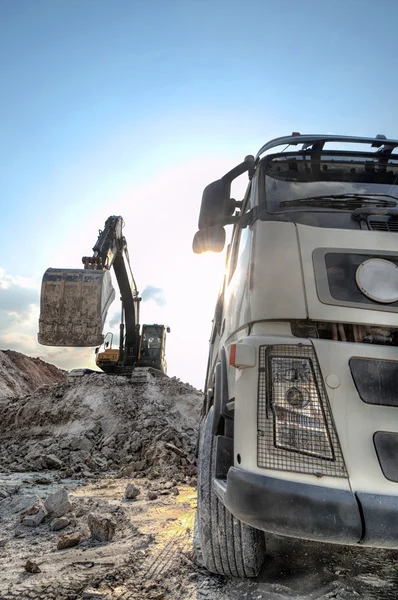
x=294, y=413
x=298, y=398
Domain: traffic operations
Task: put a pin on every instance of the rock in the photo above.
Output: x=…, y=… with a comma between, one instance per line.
x=59, y=523
x=135, y=441
x=51, y=461
x=175, y=491
x=132, y=467
x=68, y=540
x=81, y=443
x=32, y=567
x=92, y=594
x=3, y=543
x=81, y=511
x=108, y=452
x=34, y=520
x=152, y=495
x=100, y=461
x=65, y=444
x=58, y=504
x=30, y=506
x=43, y=480
x=34, y=515
x=3, y=493
x=101, y=528
x=131, y=491
x=19, y=532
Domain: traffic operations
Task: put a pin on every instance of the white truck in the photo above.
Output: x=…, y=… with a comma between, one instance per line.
x=299, y=429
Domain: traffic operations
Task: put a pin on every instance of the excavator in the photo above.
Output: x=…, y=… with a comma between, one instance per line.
x=74, y=304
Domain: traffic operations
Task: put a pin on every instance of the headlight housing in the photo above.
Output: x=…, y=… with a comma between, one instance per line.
x=295, y=427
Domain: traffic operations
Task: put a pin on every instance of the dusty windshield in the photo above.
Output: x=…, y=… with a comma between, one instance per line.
x=338, y=182
x=151, y=339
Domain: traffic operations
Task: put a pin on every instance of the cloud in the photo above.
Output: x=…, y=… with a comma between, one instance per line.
x=18, y=297
x=115, y=320
x=155, y=294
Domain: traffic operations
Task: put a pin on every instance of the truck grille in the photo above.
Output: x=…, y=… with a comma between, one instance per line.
x=383, y=225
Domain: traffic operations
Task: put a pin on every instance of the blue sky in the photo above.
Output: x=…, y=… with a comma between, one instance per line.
x=128, y=107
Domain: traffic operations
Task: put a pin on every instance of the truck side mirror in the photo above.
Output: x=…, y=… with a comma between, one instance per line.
x=217, y=205
x=209, y=239
x=168, y=329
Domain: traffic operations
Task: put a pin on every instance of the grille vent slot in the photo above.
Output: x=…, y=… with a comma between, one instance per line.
x=378, y=225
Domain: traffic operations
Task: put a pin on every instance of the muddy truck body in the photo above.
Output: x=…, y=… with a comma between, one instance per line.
x=74, y=305
x=299, y=434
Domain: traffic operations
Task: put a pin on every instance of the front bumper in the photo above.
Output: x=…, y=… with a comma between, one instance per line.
x=311, y=512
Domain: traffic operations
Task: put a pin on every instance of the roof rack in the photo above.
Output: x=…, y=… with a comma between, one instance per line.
x=306, y=140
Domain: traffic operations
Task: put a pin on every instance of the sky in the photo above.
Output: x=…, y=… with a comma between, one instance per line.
x=132, y=108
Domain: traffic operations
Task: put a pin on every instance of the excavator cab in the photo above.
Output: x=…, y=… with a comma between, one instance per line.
x=153, y=347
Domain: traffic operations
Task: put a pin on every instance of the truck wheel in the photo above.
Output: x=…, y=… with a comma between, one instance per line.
x=229, y=547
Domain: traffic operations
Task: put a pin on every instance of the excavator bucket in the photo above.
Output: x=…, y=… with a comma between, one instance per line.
x=73, y=306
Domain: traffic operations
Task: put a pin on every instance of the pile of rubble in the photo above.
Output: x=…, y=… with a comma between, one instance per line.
x=97, y=423
x=20, y=374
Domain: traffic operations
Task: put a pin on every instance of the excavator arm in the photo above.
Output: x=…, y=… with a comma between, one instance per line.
x=110, y=250
x=74, y=302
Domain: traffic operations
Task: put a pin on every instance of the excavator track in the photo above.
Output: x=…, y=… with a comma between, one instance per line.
x=137, y=375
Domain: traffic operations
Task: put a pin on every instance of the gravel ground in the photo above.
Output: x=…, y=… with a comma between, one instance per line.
x=151, y=555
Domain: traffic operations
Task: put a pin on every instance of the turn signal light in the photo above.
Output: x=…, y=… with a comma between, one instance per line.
x=242, y=356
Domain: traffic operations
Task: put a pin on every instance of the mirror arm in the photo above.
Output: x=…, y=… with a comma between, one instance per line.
x=247, y=165
x=226, y=220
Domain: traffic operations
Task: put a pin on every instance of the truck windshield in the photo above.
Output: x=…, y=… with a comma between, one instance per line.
x=339, y=181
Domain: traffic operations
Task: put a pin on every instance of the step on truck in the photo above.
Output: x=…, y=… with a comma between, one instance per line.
x=299, y=428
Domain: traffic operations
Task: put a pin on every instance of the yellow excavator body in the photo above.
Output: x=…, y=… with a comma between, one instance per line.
x=107, y=358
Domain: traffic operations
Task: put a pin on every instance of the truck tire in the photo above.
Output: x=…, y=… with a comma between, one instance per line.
x=229, y=547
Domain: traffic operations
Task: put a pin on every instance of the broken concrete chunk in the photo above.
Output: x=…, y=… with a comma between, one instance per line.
x=81, y=443
x=34, y=515
x=32, y=567
x=3, y=493
x=132, y=467
x=43, y=480
x=68, y=540
x=131, y=491
x=34, y=520
x=91, y=594
x=101, y=528
x=31, y=506
x=58, y=504
x=51, y=461
x=59, y=523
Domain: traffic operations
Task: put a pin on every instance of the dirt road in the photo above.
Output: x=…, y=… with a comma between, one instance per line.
x=151, y=555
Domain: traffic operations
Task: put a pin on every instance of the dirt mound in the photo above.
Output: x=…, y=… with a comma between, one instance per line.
x=99, y=423
x=20, y=374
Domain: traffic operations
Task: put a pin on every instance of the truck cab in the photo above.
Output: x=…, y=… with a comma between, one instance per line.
x=299, y=431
